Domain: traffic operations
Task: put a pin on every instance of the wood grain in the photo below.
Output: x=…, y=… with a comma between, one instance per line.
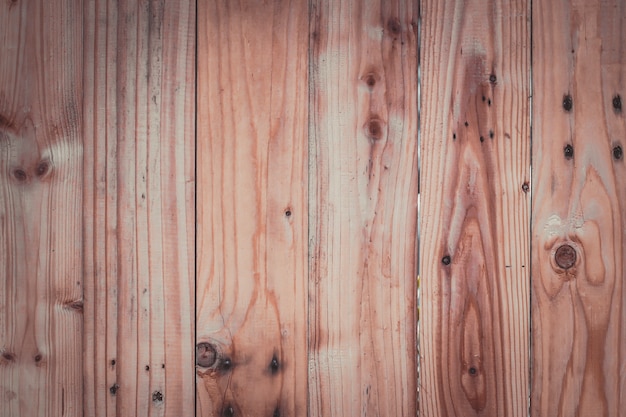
x=474, y=208
x=252, y=208
x=363, y=208
x=578, y=313
x=40, y=196
x=139, y=208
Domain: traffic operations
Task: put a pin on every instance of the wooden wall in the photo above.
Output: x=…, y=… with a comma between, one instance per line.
x=312, y=208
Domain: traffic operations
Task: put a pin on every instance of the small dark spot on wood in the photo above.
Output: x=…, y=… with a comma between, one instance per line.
x=394, y=26
x=276, y=412
x=8, y=356
x=491, y=134
x=493, y=79
x=466, y=124
x=42, y=168
x=568, y=151
x=114, y=388
x=206, y=355
x=565, y=256
x=374, y=129
x=228, y=411
x=113, y=362
x=568, y=103
x=617, y=103
x=454, y=136
x=147, y=367
x=370, y=80
x=20, y=175
x=157, y=396
x=274, y=365
x=484, y=98
x=162, y=366
x=572, y=51
x=226, y=364
x=76, y=305
x=446, y=260
x=473, y=371
x=617, y=152
x=482, y=139
x=38, y=358
x=288, y=213
x=489, y=102
x=525, y=187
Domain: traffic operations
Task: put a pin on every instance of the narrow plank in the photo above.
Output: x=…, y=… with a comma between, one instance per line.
x=139, y=208
x=363, y=208
x=474, y=208
x=251, y=208
x=40, y=196
x=579, y=209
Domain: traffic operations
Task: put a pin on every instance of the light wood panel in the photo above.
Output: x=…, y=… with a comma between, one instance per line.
x=474, y=208
x=40, y=193
x=579, y=209
x=252, y=211
x=363, y=208
x=139, y=208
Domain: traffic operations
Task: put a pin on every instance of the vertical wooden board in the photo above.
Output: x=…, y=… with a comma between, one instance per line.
x=139, y=208
x=474, y=208
x=579, y=209
x=251, y=209
x=40, y=195
x=363, y=208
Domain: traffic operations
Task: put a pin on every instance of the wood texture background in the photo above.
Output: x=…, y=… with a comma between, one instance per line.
x=274, y=233
x=579, y=323
x=474, y=218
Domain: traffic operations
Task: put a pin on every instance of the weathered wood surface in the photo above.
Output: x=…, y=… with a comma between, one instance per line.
x=252, y=208
x=40, y=204
x=474, y=218
x=579, y=201
x=139, y=208
x=363, y=208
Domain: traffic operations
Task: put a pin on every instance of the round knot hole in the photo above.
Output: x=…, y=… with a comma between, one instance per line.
x=568, y=151
x=206, y=355
x=565, y=256
x=446, y=260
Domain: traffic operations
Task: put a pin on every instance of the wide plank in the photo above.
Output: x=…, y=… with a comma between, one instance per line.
x=41, y=274
x=363, y=208
x=579, y=209
x=139, y=208
x=474, y=208
x=252, y=208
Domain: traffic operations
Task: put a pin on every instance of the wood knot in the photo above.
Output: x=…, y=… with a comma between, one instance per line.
x=394, y=26
x=567, y=102
x=565, y=256
x=157, y=396
x=20, y=175
x=374, y=129
x=206, y=355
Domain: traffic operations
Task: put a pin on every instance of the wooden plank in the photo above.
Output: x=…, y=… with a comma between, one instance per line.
x=40, y=199
x=363, y=205
x=579, y=209
x=139, y=208
x=474, y=208
x=252, y=211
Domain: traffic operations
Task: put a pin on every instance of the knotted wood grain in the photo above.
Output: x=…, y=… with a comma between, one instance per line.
x=579, y=203
x=252, y=208
x=139, y=208
x=474, y=208
x=363, y=208
x=41, y=272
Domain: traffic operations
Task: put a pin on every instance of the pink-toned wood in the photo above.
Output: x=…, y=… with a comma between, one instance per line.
x=579, y=203
x=474, y=208
x=41, y=274
x=252, y=208
x=139, y=208
x=363, y=208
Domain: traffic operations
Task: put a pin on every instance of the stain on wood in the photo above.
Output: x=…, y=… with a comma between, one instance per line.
x=252, y=208
x=139, y=68
x=474, y=208
x=363, y=208
x=579, y=210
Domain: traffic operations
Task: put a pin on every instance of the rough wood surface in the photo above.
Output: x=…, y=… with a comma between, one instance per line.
x=363, y=208
x=579, y=200
x=474, y=208
x=252, y=208
x=40, y=201
x=139, y=208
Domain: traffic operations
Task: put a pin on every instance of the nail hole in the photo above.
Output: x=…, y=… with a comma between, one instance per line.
x=617, y=152
x=228, y=411
x=472, y=371
x=446, y=260
x=114, y=388
x=493, y=79
x=147, y=367
x=568, y=151
x=38, y=358
x=288, y=213
x=482, y=139
x=226, y=364
x=617, y=103
x=567, y=102
x=454, y=136
x=491, y=134
x=274, y=364
x=466, y=124
x=113, y=362
x=525, y=187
